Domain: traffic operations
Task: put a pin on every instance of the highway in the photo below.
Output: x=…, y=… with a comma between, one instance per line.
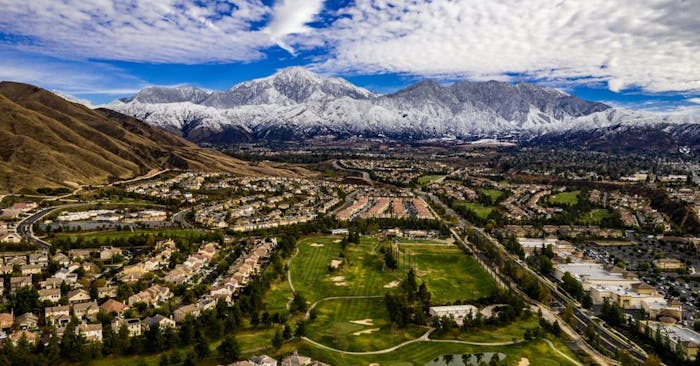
x=610, y=339
x=25, y=227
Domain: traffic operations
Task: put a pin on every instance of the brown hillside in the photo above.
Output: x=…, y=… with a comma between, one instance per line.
x=47, y=141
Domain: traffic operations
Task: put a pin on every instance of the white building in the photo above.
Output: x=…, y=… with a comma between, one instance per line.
x=456, y=312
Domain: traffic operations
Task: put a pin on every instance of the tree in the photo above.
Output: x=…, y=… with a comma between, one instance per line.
x=201, y=347
x=300, y=330
x=277, y=340
x=390, y=259
x=298, y=303
x=229, y=349
x=287, y=332
x=652, y=360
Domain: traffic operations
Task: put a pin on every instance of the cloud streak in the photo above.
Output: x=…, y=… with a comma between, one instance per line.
x=651, y=45
x=161, y=31
x=290, y=17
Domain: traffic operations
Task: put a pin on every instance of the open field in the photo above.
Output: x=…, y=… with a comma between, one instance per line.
x=565, y=198
x=493, y=194
x=340, y=324
x=427, y=179
x=490, y=334
x=361, y=274
x=449, y=273
x=419, y=353
x=478, y=209
x=595, y=216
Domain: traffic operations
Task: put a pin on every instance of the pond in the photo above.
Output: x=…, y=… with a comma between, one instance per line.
x=475, y=359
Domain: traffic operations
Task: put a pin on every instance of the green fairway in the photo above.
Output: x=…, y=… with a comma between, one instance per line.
x=360, y=275
x=418, y=354
x=595, y=216
x=478, y=209
x=490, y=333
x=493, y=194
x=427, y=179
x=564, y=198
x=449, y=273
x=337, y=325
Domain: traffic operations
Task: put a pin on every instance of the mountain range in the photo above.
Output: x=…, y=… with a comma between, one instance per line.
x=295, y=103
x=48, y=141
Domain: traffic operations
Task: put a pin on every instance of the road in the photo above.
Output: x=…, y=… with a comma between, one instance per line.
x=610, y=339
x=611, y=342
x=364, y=174
x=25, y=227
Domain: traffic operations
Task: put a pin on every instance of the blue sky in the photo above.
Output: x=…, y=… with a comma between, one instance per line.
x=640, y=55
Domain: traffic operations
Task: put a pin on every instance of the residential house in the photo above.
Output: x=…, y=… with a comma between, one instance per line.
x=86, y=310
x=61, y=259
x=263, y=360
x=6, y=320
x=91, y=332
x=162, y=321
x=31, y=337
x=77, y=296
x=53, y=295
x=181, y=313
x=133, y=325
x=107, y=291
x=27, y=321
x=19, y=282
x=112, y=306
x=106, y=253
x=57, y=315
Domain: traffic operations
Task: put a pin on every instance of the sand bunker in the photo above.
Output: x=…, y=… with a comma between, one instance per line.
x=363, y=321
x=338, y=278
x=341, y=283
x=366, y=331
x=315, y=245
x=524, y=362
x=373, y=364
x=392, y=284
x=337, y=241
x=335, y=263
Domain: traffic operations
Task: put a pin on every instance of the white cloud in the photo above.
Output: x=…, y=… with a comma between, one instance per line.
x=652, y=45
x=168, y=31
x=290, y=17
x=71, y=77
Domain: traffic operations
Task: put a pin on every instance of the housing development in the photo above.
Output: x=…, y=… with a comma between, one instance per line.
x=377, y=258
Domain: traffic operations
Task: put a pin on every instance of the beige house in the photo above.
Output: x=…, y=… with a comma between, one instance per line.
x=77, y=296
x=53, y=295
x=57, y=315
x=91, y=332
x=86, y=310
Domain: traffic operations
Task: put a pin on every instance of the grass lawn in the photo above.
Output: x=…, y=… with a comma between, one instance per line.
x=277, y=297
x=492, y=193
x=514, y=330
x=333, y=325
x=360, y=275
x=427, y=179
x=478, y=209
x=115, y=234
x=449, y=273
x=420, y=353
x=595, y=216
x=565, y=198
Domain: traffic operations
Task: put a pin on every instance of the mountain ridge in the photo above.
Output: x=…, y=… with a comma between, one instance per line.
x=295, y=103
x=49, y=141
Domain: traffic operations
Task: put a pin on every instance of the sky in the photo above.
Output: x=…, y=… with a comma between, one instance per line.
x=642, y=54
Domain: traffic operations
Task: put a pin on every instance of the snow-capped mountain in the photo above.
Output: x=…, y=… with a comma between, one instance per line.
x=297, y=103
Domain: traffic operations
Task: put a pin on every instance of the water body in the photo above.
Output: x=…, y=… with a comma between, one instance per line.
x=474, y=359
